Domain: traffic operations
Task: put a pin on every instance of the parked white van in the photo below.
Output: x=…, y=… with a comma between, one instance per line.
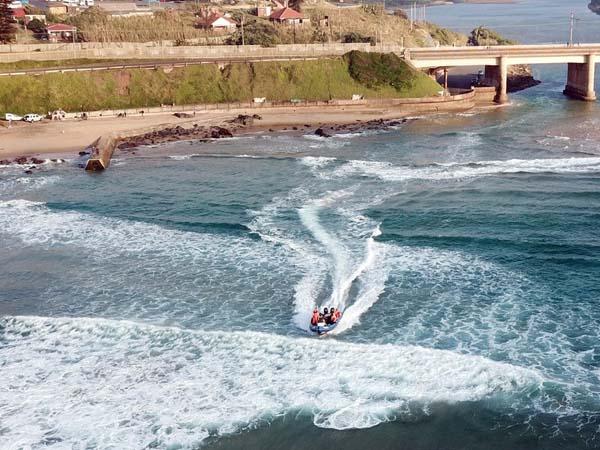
x=10, y=116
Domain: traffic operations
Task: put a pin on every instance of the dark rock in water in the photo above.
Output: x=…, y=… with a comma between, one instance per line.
x=220, y=132
x=520, y=82
x=256, y=116
x=35, y=160
x=294, y=128
x=271, y=130
x=183, y=115
x=244, y=119
x=127, y=145
x=321, y=132
x=4, y=162
x=306, y=125
x=28, y=172
x=20, y=160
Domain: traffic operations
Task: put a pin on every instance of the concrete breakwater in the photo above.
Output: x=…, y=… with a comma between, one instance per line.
x=101, y=151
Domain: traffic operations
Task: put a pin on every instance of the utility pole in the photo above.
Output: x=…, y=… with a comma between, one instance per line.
x=243, y=40
x=572, y=25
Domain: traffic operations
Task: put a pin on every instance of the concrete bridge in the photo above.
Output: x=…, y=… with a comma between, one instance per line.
x=496, y=59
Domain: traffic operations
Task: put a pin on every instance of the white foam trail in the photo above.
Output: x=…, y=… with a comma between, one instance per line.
x=389, y=172
x=78, y=383
x=373, y=283
x=267, y=224
x=344, y=273
x=309, y=217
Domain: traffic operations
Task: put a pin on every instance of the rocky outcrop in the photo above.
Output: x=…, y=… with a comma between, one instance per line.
x=31, y=162
x=595, y=6
x=521, y=77
x=173, y=134
x=357, y=127
x=245, y=119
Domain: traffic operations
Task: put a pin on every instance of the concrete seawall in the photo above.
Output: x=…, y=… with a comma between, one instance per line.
x=131, y=50
x=103, y=148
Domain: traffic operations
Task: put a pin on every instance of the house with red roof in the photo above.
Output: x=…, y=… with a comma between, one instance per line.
x=18, y=13
x=61, y=32
x=288, y=16
x=216, y=21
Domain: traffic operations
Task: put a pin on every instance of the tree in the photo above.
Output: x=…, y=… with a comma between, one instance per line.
x=255, y=33
x=7, y=23
x=37, y=27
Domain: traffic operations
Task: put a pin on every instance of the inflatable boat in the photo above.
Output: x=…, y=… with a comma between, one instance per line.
x=322, y=328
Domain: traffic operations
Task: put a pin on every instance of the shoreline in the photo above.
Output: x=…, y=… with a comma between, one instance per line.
x=73, y=136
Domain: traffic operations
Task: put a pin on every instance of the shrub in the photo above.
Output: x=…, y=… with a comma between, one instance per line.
x=379, y=69
x=485, y=36
x=354, y=37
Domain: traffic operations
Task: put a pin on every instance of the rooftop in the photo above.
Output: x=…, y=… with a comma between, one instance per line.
x=286, y=13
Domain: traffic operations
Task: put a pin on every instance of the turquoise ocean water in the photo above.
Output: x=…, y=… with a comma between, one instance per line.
x=164, y=303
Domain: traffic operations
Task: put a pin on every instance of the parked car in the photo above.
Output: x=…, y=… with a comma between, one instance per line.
x=32, y=118
x=10, y=116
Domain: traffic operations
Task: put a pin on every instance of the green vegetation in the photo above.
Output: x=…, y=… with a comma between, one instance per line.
x=384, y=70
x=445, y=36
x=484, y=36
x=336, y=78
x=256, y=32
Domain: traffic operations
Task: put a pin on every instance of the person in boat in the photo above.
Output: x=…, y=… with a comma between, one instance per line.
x=316, y=315
x=335, y=315
x=326, y=316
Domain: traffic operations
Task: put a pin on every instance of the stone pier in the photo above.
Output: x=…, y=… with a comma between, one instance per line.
x=580, y=80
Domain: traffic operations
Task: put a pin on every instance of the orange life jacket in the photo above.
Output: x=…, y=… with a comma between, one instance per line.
x=315, y=319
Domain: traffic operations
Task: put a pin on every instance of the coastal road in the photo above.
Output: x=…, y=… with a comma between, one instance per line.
x=148, y=64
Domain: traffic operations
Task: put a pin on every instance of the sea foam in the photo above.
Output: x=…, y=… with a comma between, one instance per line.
x=104, y=383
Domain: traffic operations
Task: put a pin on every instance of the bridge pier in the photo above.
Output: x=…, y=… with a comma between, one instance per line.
x=497, y=76
x=502, y=88
x=580, y=80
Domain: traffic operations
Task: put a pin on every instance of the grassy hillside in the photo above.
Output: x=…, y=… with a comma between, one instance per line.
x=336, y=78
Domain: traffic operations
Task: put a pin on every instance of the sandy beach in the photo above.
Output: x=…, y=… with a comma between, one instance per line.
x=66, y=137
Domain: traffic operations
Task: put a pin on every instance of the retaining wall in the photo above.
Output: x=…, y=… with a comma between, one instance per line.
x=130, y=50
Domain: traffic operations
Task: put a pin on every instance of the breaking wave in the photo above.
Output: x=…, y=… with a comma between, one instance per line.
x=390, y=172
x=102, y=383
